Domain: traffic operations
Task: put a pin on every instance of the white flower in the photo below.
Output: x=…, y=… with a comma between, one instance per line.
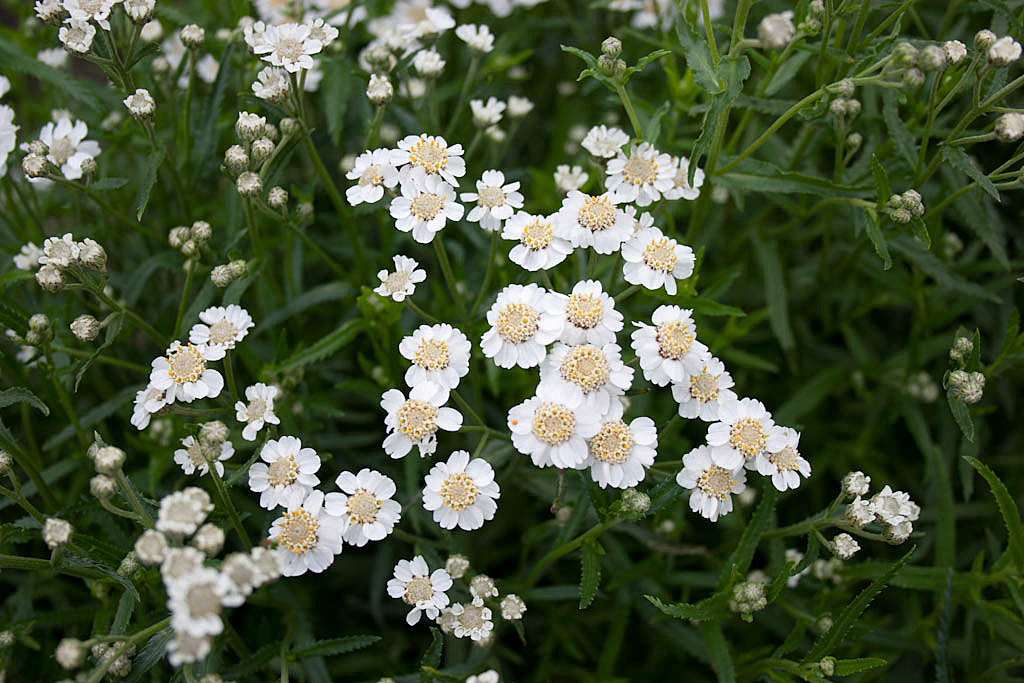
x=552, y=428
x=77, y=35
x=542, y=243
x=426, y=204
x=432, y=154
x=859, y=512
x=286, y=475
x=681, y=188
x=521, y=328
x=594, y=221
x=495, y=200
x=620, y=452
x=289, y=46
x=604, y=142
x=414, y=422
x=91, y=10
x=519, y=106
x=8, y=136
x=379, y=90
x=894, y=507
x=642, y=176
x=28, y=257
x=655, y=261
x=743, y=432
x=179, y=562
x=898, y=533
x=588, y=314
x=183, y=375
x=152, y=31
x=140, y=103
x=1004, y=52
x=307, y=536
x=271, y=84
x=418, y=18
x=373, y=172
x=197, y=455
x=457, y=566
x=242, y=577
x=195, y=601
x=325, y=33
x=784, y=464
x=181, y=512
x=479, y=38
x=439, y=354
x=151, y=547
x=955, y=51
x=512, y=607
x=472, y=621
x=49, y=10
x=482, y=586
x=207, y=69
x=856, y=484
x=184, y=649
x=594, y=375
x=366, y=509
x=487, y=114
x=57, y=532
x=147, y=402
x=403, y=281
x=569, y=178
x=259, y=410
x=221, y=328
x=461, y=492
x=139, y=10
x=67, y=146
x=701, y=394
x=669, y=351
x=844, y=546
x=53, y=57
x=776, y=31
x=60, y=251
x=428, y=63
x=417, y=586
x=712, y=486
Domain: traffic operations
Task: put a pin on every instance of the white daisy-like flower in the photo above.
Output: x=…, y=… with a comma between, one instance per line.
x=521, y=328
x=415, y=421
x=859, y=512
x=487, y=113
x=461, y=492
x=894, y=507
x=196, y=456
x=426, y=204
x=439, y=354
x=403, y=281
x=28, y=257
x=432, y=154
x=681, y=188
x=594, y=221
x=286, y=475
x=147, y=402
x=181, y=512
x=620, y=453
x=604, y=142
x=552, y=428
x=289, y=46
x=588, y=314
x=373, y=171
x=365, y=506
x=641, y=177
x=178, y=562
x=743, y=432
x=784, y=465
x=669, y=350
x=259, y=410
x=479, y=38
x=60, y=251
x=53, y=57
x=701, y=393
x=415, y=585
x=242, y=575
x=495, y=200
x=318, y=30
x=542, y=243
x=77, y=36
x=67, y=146
x=472, y=621
x=307, y=536
x=419, y=18
x=593, y=375
x=182, y=374
x=271, y=84
x=221, y=328
x=569, y=178
x=184, y=649
x=8, y=140
x=91, y=10
x=712, y=486
x=195, y=602
x=654, y=260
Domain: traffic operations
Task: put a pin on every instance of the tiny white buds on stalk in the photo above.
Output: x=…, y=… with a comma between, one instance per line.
x=262, y=148
x=102, y=486
x=1004, y=52
x=905, y=207
x=932, y=58
x=859, y=513
x=178, y=236
x=140, y=104
x=39, y=323
x=482, y=586
x=250, y=185
x=85, y=328
x=139, y=11
x=955, y=51
x=776, y=31
x=951, y=245
x=129, y=567
x=843, y=88
x=512, y=607
x=277, y=198
x=201, y=231
x=236, y=159
x=57, y=532
x=844, y=546
x=224, y=275
x=961, y=350
x=1010, y=127
x=192, y=36
x=34, y=165
x=70, y=653
x=379, y=91
x=983, y=40
x=611, y=46
x=457, y=566
x=290, y=126
x=50, y=278
x=844, y=108
x=967, y=386
x=748, y=597
x=856, y=484
x=50, y=11
x=109, y=460
x=89, y=167
x=38, y=147
x=248, y=127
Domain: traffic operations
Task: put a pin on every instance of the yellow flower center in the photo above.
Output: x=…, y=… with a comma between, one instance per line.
x=613, y=443
x=458, y=491
x=639, y=170
x=417, y=419
x=596, y=214
x=283, y=471
x=517, y=323
x=674, y=339
x=289, y=49
x=222, y=332
x=428, y=154
x=586, y=366
x=491, y=197
x=584, y=310
x=186, y=364
x=426, y=206
x=553, y=423
x=537, y=235
x=256, y=409
x=362, y=507
x=472, y=617
x=785, y=459
x=417, y=590
x=299, y=532
x=748, y=437
x=704, y=386
x=716, y=482
x=432, y=355
x=370, y=176
x=396, y=282
x=660, y=255
x=202, y=600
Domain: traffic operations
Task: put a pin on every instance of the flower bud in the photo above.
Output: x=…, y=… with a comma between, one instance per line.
x=34, y=165
x=379, y=91
x=5, y=460
x=92, y=254
x=249, y=185
x=512, y=607
x=85, y=328
x=856, y=484
x=140, y=104
x=967, y=386
x=192, y=36
x=827, y=665
x=278, y=198
x=248, y=127
x=962, y=349
x=854, y=140
x=50, y=278
x=89, y=167
x=955, y=51
x=816, y=8
x=139, y=11
x=70, y=653
x=913, y=78
x=102, y=486
x=1004, y=52
x=262, y=148
x=57, y=533
x=236, y=159
x=200, y=231
x=844, y=546
x=983, y=40
x=611, y=46
x=50, y=11
x=214, y=432
x=177, y=236
x=457, y=566
x=1010, y=127
x=898, y=533
x=776, y=31
x=305, y=211
x=635, y=501
x=209, y=539
x=932, y=58
x=109, y=460
x=190, y=248
x=38, y=147
x=904, y=54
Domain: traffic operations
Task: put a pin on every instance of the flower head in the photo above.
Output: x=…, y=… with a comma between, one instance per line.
x=669, y=350
x=423, y=590
x=403, y=281
x=197, y=455
x=431, y=154
x=712, y=486
x=604, y=142
x=743, y=432
x=67, y=147
x=221, y=328
x=702, y=392
x=620, y=452
x=257, y=410
x=425, y=205
x=553, y=428
x=461, y=492
x=594, y=221
x=587, y=314
x=415, y=421
x=783, y=462
x=439, y=354
x=495, y=200
x=592, y=375
x=641, y=177
x=182, y=373
x=289, y=46
x=542, y=244
x=365, y=506
x=308, y=536
x=655, y=261
x=373, y=172
x=287, y=474
x=521, y=327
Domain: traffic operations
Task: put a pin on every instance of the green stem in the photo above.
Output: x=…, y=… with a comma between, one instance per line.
x=191, y=267
x=564, y=549
x=23, y=502
x=419, y=311
x=229, y=372
x=449, y=275
x=142, y=324
x=128, y=491
x=487, y=276
x=65, y=402
x=78, y=353
x=469, y=409
x=626, y=293
x=225, y=500
x=474, y=64
x=706, y=14
x=630, y=112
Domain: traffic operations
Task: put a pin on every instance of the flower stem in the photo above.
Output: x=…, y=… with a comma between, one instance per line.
x=630, y=111
x=225, y=500
x=128, y=491
x=191, y=269
x=564, y=549
x=419, y=311
x=229, y=371
x=449, y=276
x=487, y=276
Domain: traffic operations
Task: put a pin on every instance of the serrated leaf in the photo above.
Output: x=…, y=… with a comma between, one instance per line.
x=642, y=64
x=959, y=160
x=848, y=667
x=883, y=189
x=786, y=72
x=920, y=229
x=113, y=329
x=590, y=573
x=1007, y=508
x=842, y=624
x=710, y=608
x=324, y=347
x=150, y=655
x=733, y=71
x=432, y=657
x=22, y=395
x=698, y=56
x=961, y=414
x=902, y=138
x=868, y=220
x=333, y=646
x=718, y=651
x=147, y=180
x=741, y=557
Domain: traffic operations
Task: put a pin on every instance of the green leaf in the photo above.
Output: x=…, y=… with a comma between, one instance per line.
x=125, y=607
x=642, y=64
x=698, y=57
x=84, y=90
x=330, y=291
x=902, y=138
x=432, y=657
x=590, y=573
x=867, y=219
x=938, y=471
x=108, y=184
x=1007, y=508
x=961, y=414
x=882, y=188
x=718, y=651
x=147, y=180
x=150, y=655
x=113, y=329
x=741, y=557
x=22, y=395
x=333, y=646
x=848, y=667
x=761, y=176
x=734, y=71
x=938, y=270
x=713, y=607
x=959, y=160
x=774, y=290
x=920, y=229
x=834, y=637
x=206, y=136
x=786, y=72
x=811, y=394
x=324, y=347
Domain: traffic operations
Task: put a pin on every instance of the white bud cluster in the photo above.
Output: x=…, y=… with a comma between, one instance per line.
x=968, y=387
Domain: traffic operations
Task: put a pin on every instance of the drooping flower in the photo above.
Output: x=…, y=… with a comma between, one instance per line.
x=711, y=485
x=287, y=474
x=365, y=506
x=461, y=492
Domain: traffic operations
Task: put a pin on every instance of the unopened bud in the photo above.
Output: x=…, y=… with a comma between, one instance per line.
x=1010, y=127
x=249, y=185
x=85, y=328
x=904, y=54
x=611, y=46
x=109, y=460
x=913, y=78
x=102, y=486
x=379, y=91
x=278, y=198
x=34, y=165
x=932, y=58
x=192, y=36
x=983, y=40
x=262, y=148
